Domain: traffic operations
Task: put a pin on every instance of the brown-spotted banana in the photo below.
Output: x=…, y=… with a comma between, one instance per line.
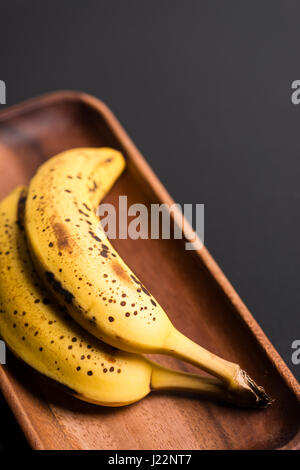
x=39, y=332
x=93, y=283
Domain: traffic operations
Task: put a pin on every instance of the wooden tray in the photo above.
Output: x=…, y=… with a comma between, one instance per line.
x=189, y=285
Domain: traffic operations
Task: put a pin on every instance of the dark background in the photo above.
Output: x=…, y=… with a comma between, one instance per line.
x=203, y=88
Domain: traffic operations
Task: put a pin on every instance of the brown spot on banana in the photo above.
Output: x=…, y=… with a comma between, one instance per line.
x=120, y=271
x=21, y=209
x=57, y=287
x=62, y=235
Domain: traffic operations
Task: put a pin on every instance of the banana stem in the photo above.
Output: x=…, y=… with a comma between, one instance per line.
x=237, y=383
x=172, y=380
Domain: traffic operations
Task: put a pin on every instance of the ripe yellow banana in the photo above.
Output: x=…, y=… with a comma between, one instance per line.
x=93, y=283
x=37, y=330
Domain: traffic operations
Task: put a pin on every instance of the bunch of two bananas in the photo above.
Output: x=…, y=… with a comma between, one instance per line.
x=73, y=310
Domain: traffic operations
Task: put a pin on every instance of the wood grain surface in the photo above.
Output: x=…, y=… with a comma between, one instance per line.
x=190, y=287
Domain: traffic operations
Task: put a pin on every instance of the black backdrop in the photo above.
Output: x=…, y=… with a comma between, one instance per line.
x=203, y=88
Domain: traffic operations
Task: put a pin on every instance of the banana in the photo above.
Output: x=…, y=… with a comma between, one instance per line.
x=39, y=332
x=92, y=282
